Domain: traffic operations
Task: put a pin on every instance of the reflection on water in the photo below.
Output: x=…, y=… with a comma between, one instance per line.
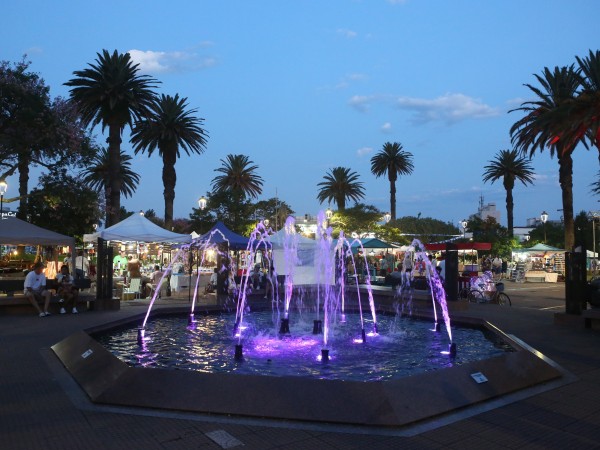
x=403, y=347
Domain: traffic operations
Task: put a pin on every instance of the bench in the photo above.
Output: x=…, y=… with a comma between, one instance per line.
x=15, y=302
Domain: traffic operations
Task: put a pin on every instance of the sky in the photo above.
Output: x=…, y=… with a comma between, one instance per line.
x=301, y=87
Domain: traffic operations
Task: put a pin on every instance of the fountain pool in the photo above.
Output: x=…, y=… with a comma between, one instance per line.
x=403, y=347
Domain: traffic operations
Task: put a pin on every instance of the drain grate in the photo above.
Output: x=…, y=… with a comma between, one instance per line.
x=223, y=438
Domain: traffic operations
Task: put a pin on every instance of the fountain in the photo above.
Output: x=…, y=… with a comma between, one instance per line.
x=251, y=361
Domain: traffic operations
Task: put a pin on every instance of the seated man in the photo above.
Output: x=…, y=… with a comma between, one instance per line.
x=66, y=290
x=35, y=288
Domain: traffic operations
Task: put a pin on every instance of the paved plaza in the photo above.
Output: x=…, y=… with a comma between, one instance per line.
x=41, y=407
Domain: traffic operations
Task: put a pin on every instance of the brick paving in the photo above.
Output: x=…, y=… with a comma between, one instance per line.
x=39, y=411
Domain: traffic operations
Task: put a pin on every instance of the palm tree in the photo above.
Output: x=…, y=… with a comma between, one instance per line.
x=112, y=93
x=96, y=175
x=586, y=109
x=393, y=161
x=238, y=177
x=340, y=184
x=543, y=127
x=511, y=167
x=170, y=127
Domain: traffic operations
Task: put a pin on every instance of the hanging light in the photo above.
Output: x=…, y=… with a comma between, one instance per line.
x=202, y=202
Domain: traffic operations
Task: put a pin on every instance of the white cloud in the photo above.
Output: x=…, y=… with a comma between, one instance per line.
x=364, y=151
x=386, y=127
x=349, y=34
x=449, y=108
x=361, y=102
x=348, y=79
x=153, y=62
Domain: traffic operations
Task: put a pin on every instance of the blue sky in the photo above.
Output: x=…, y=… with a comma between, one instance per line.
x=304, y=86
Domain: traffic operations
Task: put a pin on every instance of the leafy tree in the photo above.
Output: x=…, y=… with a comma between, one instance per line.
x=340, y=184
x=170, y=127
x=426, y=229
x=221, y=205
x=34, y=129
x=392, y=161
x=361, y=219
x=509, y=167
x=64, y=204
x=543, y=126
x=275, y=210
x=489, y=230
x=114, y=94
x=554, y=232
x=97, y=175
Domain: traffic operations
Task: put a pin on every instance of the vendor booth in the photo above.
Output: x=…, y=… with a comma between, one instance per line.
x=540, y=263
x=15, y=231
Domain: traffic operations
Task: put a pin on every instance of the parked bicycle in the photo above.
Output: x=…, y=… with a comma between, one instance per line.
x=485, y=290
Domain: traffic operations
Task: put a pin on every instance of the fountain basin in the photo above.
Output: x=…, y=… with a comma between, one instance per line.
x=393, y=403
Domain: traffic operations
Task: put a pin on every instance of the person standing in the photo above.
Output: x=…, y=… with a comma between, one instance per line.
x=35, y=288
x=82, y=265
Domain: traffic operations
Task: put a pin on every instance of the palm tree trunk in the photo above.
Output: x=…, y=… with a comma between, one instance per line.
x=510, y=205
x=566, y=185
x=114, y=180
x=341, y=202
x=23, y=164
x=169, y=177
x=393, y=200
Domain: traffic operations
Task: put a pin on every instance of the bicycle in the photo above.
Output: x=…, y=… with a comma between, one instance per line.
x=496, y=295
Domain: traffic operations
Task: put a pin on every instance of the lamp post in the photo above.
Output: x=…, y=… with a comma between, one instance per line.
x=544, y=218
x=463, y=224
x=594, y=215
x=329, y=213
x=387, y=217
x=202, y=203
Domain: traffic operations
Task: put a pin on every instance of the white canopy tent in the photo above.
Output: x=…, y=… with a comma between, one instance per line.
x=301, y=262
x=136, y=228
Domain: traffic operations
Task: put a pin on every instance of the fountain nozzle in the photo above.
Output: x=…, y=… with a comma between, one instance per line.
x=285, y=326
x=317, y=327
x=324, y=355
x=140, y=335
x=452, y=349
x=191, y=320
x=239, y=353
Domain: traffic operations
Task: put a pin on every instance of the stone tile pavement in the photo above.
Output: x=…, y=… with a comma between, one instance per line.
x=42, y=408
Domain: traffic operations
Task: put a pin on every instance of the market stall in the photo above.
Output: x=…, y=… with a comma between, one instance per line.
x=541, y=263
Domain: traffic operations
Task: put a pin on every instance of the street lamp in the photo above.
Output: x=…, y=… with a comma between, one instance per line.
x=3, y=189
x=463, y=224
x=266, y=222
x=387, y=217
x=141, y=213
x=202, y=202
x=329, y=213
x=544, y=218
x=594, y=215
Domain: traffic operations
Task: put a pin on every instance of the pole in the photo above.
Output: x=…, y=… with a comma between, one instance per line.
x=1, y=216
x=544, y=232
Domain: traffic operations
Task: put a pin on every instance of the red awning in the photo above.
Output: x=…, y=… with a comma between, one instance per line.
x=461, y=246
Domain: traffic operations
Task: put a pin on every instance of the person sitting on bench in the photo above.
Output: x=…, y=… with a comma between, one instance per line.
x=66, y=290
x=35, y=288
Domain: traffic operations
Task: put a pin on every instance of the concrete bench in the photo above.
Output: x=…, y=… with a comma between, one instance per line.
x=19, y=304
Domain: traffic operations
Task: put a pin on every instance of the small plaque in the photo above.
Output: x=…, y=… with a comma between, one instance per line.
x=87, y=353
x=479, y=377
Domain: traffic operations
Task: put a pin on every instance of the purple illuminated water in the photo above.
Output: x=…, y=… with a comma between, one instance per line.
x=403, y=347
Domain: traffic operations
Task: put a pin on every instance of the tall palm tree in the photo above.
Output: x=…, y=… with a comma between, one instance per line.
x=586, y=110
x=511, y=167
x=393, y=161
x=543, y=127
x=96, y=174
x=114, y=94
x=238, y=178
x=170, y=126
x=340, y=184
